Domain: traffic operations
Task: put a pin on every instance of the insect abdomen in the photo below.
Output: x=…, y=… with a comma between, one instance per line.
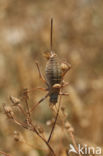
x=54, y=97
x=53, y=76
x=53, y=71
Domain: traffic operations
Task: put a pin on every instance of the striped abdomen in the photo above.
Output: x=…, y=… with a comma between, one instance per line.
x=53, y=76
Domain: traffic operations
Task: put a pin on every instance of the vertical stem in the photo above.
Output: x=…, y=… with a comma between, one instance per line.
x=27, y=105
x=74, y=142
x=50, y=148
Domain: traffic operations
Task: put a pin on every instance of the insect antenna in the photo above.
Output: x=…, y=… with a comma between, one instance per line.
x=51, y=37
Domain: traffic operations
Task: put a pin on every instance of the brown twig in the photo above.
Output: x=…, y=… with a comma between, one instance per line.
x=74, y=141
x=26, y=97
x=21, y=109
x=1, y=152
x=55, y=120
x=70, y=130
x=31, y=127
x=46, y=142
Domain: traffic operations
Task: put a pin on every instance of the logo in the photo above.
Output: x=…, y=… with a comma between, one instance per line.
x=85, y=149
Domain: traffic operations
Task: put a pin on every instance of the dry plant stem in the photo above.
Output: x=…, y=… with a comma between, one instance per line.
x=39, y=102
x=73, y=140
x=72, y=137
x=33, y=129
x=21, y=109
x=27, y=105
x=70, y=132
x=43, y=140
x=61, y=118
x=55, y=120
x=5, y=154
x=20, y=123
x=30, y=125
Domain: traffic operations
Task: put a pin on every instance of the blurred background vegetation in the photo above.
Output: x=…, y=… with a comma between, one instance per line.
x=78, y=39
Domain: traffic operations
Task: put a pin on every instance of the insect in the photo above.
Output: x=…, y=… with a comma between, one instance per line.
x=54, y=74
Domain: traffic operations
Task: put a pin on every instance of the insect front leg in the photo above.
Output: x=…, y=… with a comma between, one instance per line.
x=38, y=88
x=40, y=74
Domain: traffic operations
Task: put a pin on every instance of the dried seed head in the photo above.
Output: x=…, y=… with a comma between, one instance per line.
x=50, y=122
x=25, y=93
x=40, y=129
x=71, y=129
x=16, y=136
x=15, y=101
x=62, y=108
x=9, y=112
x=67, y=125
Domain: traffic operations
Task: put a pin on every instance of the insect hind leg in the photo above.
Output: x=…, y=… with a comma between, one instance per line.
x=41, y=100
